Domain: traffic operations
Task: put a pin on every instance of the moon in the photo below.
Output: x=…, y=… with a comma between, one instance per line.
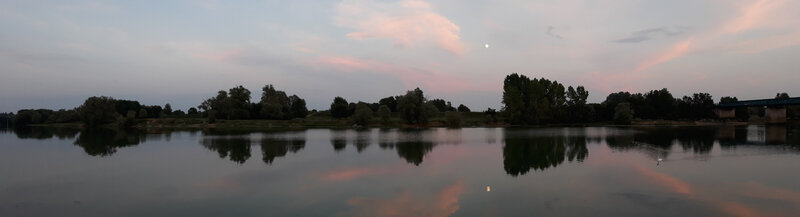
x=486, y=45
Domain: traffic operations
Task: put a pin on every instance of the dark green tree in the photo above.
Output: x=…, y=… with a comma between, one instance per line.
x=463, y=108
x=221, y=105
x=97, y=111
x=384, y=113
x=490, y=115
x=442, y=105
x=339, y=108
x=297, y=107
x=623, y=113
x=275, y=104
x=26, y=117
x=412, y=106
x=363, y=114
x=167, y=109
x=390, y=102
x=698, y=106
x=658, y=104
x=123, y=106
x=142, y=113
x=535, y=101
x=239, y=103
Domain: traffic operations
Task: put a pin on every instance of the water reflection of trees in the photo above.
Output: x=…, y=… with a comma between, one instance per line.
x=540, y=152
x=45, y=132
x=237, y=147
x=410, y=144
x=362, y=140
x=412, y=151
x=339, y=139
x=105, y=142
x=272, y=148
x=659, y=141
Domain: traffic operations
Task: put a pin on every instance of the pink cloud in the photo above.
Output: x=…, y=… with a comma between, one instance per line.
x=346, y=175
x=406, y=23
x=752, y=15
x=434, y=81
x=675, y=51
x=443, y=203
x=674, y=184
x=739, y=210
x=759, y=45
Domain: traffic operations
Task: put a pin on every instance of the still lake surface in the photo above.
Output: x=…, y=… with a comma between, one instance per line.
x=593, y=171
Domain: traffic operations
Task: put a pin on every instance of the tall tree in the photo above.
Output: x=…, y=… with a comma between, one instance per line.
x=390, y=102
x=220, y=105
x=659, y=104
x=536, y=101
x=167, y=109
x=411, y=106
x=297, y=107
x=239, y=102
x=339, y=107
x=442, y=105
x=97, y=111
x=274, y=104
x=384, y=113
x=463, y=108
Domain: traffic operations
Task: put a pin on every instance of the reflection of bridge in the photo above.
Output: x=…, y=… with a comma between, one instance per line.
x=775, y=112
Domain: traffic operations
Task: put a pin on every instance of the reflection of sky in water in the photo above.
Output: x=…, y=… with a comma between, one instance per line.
x=707, y=171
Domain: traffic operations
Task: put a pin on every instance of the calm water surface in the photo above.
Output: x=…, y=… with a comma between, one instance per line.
x=596, y=171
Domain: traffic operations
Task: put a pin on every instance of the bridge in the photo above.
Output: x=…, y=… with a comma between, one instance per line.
x=775, y=112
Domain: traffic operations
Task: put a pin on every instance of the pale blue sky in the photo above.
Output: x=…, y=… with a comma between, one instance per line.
x=54, y=54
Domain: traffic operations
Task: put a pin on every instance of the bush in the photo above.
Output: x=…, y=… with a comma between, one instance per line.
x=384, y=113
x=142, y=113
x=453, y=119
x=130, y=119
x=212, y=117
x=623, y=114
x=363, y=114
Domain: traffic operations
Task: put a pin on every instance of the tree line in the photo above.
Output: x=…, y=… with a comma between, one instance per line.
x=541, y=101
x=525, y=101
x=96, y=111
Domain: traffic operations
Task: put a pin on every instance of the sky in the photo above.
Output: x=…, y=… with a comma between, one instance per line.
x=55, y=54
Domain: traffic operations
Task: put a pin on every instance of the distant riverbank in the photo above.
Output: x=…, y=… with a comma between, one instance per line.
x=257, y=125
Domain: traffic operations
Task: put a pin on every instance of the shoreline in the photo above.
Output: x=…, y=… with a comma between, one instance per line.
x=261, y=125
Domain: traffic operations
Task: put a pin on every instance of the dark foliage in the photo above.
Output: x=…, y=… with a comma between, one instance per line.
x=339, y=108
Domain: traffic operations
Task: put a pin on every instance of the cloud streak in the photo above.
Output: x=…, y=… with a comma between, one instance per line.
x=406, y=23
x=648, y=34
